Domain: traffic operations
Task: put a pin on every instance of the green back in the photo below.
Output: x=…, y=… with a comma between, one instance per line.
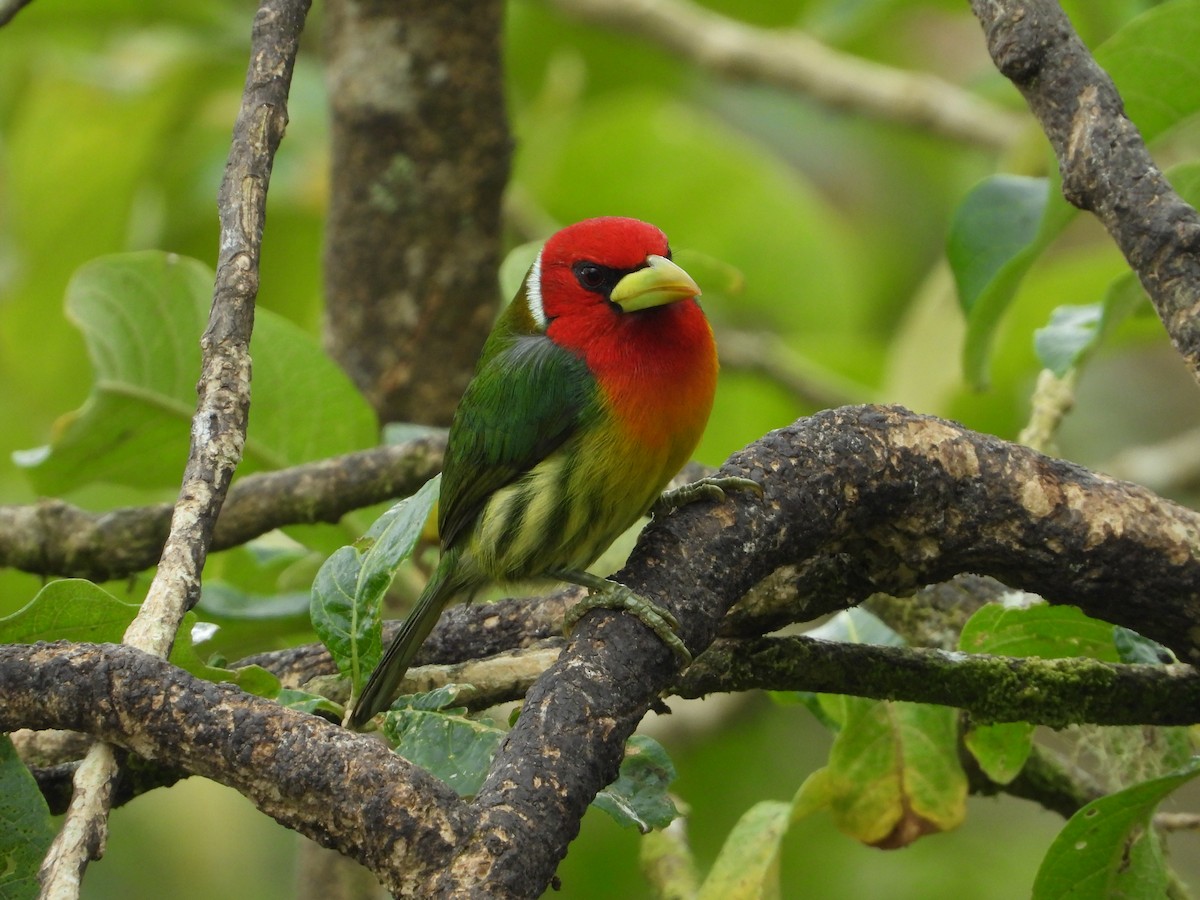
x=528, y=396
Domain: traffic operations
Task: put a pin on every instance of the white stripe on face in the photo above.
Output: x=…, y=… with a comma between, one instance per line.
x=533, y=293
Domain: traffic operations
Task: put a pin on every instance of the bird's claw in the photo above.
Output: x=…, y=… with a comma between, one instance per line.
x=618, y=597
x=712, y=488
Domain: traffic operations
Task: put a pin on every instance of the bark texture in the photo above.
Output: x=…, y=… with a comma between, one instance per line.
x=1105, y=166
x=420, y=159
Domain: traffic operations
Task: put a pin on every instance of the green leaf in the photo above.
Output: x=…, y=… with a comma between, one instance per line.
x=444, y=697
x=73, y=610
x=1152, y=61
x=639, y=798
x=856, y=626
x=668, y=865
x=77, y=610
x=347, y=595
x=1134, y=648
x=1001, y=749
x=314, y=704
x=1071, y=332
x=1051, y=632
x=1109, y=848
x=747, y=868
x=1075, y=331
x=893, y=774
x=445, y=742
x=1185, y=178
x=351, y=632
x=226, y=601
x=251, y=679
x=997, y=232
x=26, y=828
x=142, y=315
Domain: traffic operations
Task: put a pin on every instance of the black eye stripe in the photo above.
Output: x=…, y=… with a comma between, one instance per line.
x=597, y=278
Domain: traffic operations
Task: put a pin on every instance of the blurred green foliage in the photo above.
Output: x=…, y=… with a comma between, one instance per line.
x=114, y=126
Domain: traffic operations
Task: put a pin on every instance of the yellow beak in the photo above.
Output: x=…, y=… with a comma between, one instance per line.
x=659, y=283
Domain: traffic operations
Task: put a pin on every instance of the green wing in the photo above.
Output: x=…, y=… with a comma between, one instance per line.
x=525, y=400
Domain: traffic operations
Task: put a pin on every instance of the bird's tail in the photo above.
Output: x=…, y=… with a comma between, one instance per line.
x=381, y=686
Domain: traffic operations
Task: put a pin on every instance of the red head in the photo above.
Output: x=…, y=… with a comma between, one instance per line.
x=607, y=290
x=591, y=274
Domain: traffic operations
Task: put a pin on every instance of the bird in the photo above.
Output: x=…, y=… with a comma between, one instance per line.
x=591, y=393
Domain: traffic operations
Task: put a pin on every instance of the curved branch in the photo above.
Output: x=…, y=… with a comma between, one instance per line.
x=888, y=499
x=901, y=500
x=343, y=790
x=58, y=539
x=794, y=61
x=1104, y=163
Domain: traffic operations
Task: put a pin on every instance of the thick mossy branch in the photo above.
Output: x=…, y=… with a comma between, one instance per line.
x=1054, y=692
x=419, y=160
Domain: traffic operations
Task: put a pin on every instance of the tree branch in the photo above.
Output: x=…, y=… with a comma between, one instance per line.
x=57, y=539
x=1105, y=166
x=891, y=499
x=342, y=789
x=904, y=500
x=792, y=60
x=219, y=424
x=1053, y=692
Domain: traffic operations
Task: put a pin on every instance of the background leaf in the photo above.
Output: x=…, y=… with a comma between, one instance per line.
x=142, y=315
x=26, y=828
x=1149, y=59
x=69, y=610
x=747, y=867
x=1042, y=630
x=997, y=233
x=77, y=610
x=444, y=741
x=893, y=773
x=1051, y=632
x=1109, y=849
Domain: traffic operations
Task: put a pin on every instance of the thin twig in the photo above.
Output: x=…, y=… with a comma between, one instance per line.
x=1177, y=821
x=769, y=355
x=793, y=60
x=9, y=9
x=219, y=425
x=1053, y=398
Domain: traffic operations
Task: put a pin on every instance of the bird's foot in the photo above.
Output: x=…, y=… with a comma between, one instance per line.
x=605, y=594
x=711, y=488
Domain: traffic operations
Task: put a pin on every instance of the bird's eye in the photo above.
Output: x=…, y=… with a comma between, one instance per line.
x=590, y=276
